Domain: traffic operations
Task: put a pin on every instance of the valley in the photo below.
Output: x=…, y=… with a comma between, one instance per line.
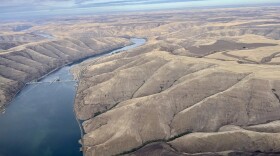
x=206, y=82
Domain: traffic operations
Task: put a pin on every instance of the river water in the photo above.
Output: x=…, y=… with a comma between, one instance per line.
x=40, y=120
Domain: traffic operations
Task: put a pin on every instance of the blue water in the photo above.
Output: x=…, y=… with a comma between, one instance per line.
x=40, y=120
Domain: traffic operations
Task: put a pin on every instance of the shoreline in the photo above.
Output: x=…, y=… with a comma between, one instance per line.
x=71, y=65
x=3, y=107
x=81, y=141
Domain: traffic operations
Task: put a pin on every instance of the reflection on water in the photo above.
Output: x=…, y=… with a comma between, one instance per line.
x=40, y=120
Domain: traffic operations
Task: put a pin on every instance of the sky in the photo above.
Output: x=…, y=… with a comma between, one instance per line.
x=33, y=8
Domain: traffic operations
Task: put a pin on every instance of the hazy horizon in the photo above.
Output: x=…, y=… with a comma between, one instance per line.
x=18, y=9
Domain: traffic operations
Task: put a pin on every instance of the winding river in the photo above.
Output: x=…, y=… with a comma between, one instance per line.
x=40, y=119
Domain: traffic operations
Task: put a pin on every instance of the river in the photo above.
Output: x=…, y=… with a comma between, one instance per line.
x=40, y=120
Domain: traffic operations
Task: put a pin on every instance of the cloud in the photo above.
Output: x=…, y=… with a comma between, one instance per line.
x=14, y=2
x=113, y=2
x=85, y=2
x=34, y=7
x=104, y=3
x=7, y=6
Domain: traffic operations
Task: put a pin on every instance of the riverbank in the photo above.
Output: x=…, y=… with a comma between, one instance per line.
x=52, y=105
x=150, y=101
x=9, y=94
x=76, y=71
